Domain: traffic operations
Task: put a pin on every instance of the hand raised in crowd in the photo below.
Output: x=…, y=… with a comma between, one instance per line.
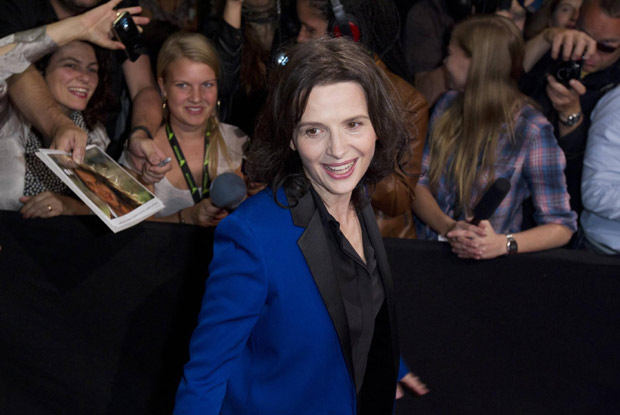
x=94, y=26
x=145, y=156
x=49, y=204
x=476, y=241
x=206, y=213
x=573, y=44
x=412, y=383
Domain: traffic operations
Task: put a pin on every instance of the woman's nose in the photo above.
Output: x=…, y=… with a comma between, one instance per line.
x=337, y=145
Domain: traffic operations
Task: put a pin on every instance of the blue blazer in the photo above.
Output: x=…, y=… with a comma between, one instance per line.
x=272, y=335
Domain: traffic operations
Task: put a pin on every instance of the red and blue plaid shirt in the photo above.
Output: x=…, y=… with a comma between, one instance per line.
x=534, y=165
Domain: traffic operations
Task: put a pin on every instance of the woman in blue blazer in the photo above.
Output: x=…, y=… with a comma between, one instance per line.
x=298, y=312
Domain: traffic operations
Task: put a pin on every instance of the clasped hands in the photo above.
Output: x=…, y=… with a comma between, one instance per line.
x=476, y=241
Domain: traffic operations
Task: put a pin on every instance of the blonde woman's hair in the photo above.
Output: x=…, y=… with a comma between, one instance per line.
x=197, y=48
x=464, y=138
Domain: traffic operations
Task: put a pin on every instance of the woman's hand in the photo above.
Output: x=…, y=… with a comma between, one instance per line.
x=48, y=204
x=206, y=214
x=95, y=26
x=97, y=23
x=410, y=382
x=145, y=157
x=476, y=242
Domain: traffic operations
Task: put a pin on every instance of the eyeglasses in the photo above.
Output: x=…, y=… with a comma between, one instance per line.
x=601, y=47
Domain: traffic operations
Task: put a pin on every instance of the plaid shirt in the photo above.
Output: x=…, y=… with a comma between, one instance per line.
x=534, y=165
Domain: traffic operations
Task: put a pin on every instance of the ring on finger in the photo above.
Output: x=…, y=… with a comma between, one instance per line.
x=49, y=208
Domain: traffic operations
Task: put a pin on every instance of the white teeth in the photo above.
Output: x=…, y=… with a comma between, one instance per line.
x=75, y=89
x=340, y=169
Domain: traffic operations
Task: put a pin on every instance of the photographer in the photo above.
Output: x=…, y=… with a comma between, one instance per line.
x=569, y=106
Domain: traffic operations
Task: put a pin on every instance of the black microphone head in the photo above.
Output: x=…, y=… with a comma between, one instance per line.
x=491, y=199
x=227, y=191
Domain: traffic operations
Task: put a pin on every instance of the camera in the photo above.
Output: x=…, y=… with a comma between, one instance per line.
x=127, y=32
x=564, y=71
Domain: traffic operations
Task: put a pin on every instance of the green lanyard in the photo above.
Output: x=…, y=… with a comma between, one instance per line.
x=189, y=178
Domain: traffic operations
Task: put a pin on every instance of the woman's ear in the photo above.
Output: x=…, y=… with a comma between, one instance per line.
x=162, y=90
x=292, y=145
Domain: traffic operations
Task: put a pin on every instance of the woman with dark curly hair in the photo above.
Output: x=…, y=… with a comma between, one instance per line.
x=75, y=74
x=298, y=311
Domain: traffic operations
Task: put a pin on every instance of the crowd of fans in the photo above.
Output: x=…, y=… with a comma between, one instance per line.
x=489, y=76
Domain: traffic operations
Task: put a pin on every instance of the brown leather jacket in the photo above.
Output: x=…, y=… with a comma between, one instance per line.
x=393, y=196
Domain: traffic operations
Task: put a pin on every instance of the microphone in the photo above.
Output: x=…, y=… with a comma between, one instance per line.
x=491, y=200
x=227, y=191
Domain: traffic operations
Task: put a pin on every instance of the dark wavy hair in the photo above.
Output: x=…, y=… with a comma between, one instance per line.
x=326, y=61
x=97, y=109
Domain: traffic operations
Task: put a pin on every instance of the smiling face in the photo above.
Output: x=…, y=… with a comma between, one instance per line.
x=71, y=75
x=335, y=140
x=190, y=89
x=457, y=64
x=605, y=30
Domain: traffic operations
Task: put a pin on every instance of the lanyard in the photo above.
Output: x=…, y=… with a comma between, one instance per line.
x=189, y=178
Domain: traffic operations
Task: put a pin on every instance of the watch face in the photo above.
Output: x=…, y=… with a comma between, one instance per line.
x=572, y=119
x=512, y=246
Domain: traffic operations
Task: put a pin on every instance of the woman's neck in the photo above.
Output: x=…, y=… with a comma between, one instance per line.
x=339, y=206
x=185, y=132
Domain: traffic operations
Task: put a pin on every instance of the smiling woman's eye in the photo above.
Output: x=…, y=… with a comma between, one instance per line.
x=180, y=84
x=208, y=84
x=354, y=124
x=312, y=132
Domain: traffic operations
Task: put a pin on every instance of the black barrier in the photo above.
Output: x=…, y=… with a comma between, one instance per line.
x=97, y=323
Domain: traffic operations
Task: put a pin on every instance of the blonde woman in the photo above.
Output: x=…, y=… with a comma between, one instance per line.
x=200, y=147
x=483, y=130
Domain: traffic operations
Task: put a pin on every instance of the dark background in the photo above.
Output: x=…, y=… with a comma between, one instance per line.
x=93, y=322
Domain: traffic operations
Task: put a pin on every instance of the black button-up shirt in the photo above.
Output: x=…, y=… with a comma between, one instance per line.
x=360, y=286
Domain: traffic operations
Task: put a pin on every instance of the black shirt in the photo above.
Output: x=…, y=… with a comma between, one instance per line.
x=360, y=286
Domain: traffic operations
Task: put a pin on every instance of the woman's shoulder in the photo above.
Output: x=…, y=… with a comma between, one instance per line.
x=262, y=207
x=531, y=125
x=530, y=115
x=233, y=133
x=444, y=102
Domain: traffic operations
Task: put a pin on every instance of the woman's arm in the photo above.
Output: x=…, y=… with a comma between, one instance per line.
x=202, y=214
x=49, y=204
x=27, y=90
x=235, y=294
x=428, y=211
x=467, y=242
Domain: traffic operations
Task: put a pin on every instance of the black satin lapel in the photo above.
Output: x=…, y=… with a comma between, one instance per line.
x=313, y=245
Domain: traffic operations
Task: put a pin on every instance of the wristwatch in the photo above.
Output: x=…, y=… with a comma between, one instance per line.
x=511, y=245
x=571, y=119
